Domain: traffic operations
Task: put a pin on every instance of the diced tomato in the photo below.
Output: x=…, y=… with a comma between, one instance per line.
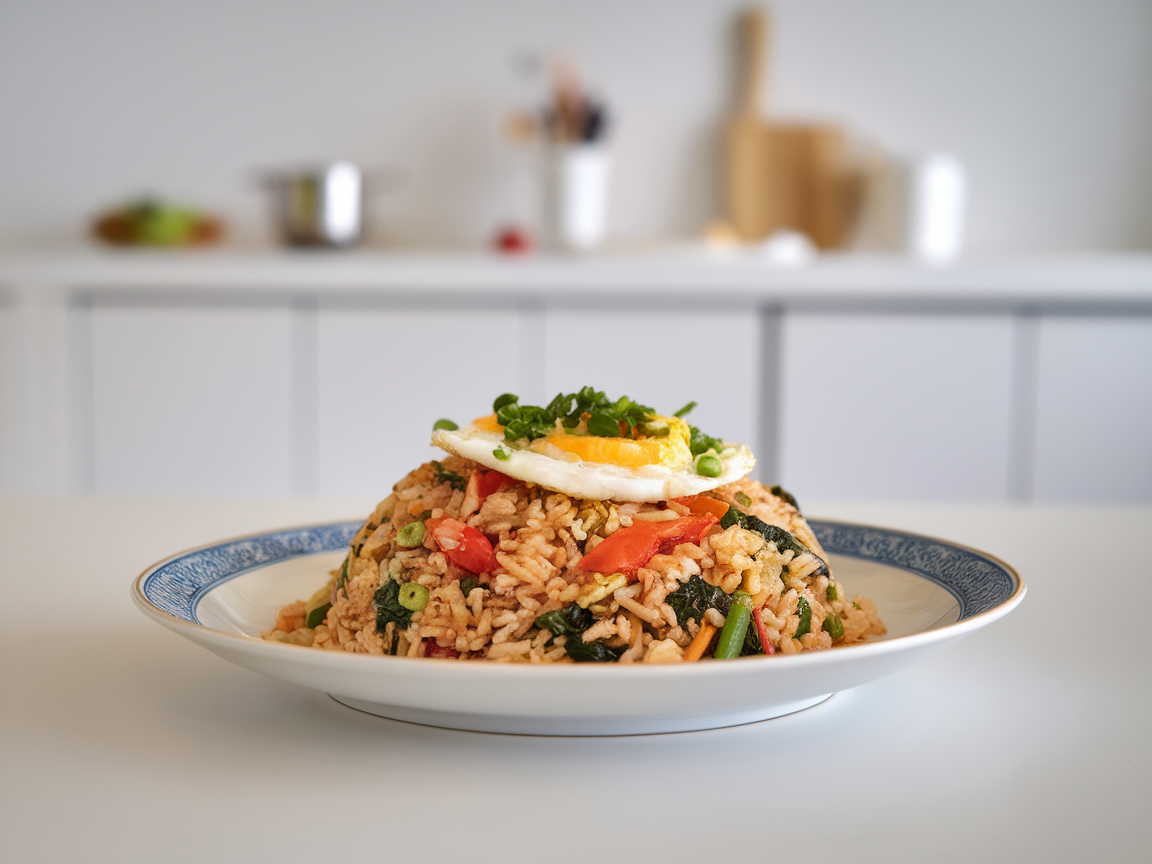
x=492, y=481
x=431, y=649
x=702, y=505
x=631, y=548
x=463, y=545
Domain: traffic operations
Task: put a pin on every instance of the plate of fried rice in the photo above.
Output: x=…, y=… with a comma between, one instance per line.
x=503, y=587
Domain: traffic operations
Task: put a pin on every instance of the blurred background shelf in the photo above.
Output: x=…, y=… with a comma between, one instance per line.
x=281, y=373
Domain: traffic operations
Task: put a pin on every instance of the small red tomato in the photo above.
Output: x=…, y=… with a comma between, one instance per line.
x=431, y=649
x=463, y=545
x=513, y=240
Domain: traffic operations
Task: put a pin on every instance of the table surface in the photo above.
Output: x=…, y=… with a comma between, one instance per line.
x=122, y=741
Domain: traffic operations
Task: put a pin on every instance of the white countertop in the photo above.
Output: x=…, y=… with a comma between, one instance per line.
x=121, y=741
x=690, y=272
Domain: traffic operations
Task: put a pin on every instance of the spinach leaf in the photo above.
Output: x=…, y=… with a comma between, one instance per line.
x=569, y=621
x=784, y=496
x=572, y=621
x=752, y=641
x=591, y=652
x=443, y=475
x=784, y=540
x=388, y=608
x=695, y=597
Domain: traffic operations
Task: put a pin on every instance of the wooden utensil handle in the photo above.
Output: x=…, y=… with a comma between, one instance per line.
x=754, y=29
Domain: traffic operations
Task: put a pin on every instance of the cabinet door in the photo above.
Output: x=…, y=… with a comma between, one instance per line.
x=896, y=406
x=1094, y=410
x=386, y=374
x=664, y=359
x=190, y=400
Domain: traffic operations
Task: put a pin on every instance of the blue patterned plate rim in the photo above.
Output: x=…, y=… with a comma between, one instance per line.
x=979, y=582
x=176, y=585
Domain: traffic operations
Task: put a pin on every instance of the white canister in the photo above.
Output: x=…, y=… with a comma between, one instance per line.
x=919, y=207
x=578, y=205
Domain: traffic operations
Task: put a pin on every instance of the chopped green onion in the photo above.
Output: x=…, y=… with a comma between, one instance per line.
x=686, y=409
x=709, y=465
x=833, y=592
x=411, y=535
x=735, y=627
x=699, y=443
x=505, y=399
x=603, y=426
x=833, y=626
x=468, y=584
x=743, y=500
x=501, y=454
x=444, y=423
x=413, y=596
x=805, y=617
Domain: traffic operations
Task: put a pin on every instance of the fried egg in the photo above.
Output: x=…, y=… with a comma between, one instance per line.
x=589, y=466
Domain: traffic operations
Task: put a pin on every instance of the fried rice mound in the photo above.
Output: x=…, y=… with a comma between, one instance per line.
x=538, y=538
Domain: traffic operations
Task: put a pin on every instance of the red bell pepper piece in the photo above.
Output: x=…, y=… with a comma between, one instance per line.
x=491, y=481
x=463, y=545
x=631, y=548
x=764, y=643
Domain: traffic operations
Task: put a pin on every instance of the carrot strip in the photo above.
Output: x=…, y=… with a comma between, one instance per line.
x=702, y=505
x=699, y=643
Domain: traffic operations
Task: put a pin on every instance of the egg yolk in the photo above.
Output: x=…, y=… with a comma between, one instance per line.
x=669, y=450
x=487, y=423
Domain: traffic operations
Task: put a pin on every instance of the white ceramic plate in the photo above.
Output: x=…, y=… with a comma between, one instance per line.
x=929, y=592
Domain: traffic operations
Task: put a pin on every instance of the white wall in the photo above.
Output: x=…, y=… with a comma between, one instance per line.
x=1049, y=104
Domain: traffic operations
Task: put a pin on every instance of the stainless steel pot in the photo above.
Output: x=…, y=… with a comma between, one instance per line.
x=323, y=206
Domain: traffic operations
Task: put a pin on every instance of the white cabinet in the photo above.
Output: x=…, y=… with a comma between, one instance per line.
x=912, y=407
x=280, y=374
x=387, y=373
x=1094, y=409
x=190, y=400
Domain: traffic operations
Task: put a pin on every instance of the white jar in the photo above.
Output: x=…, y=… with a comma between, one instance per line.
x=578, y=195
x=919, y=207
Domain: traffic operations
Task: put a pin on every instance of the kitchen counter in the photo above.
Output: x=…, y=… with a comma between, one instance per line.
x=1075, y=281
x=1026, y=741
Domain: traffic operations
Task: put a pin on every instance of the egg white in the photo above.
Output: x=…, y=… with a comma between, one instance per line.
x=593, y=480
